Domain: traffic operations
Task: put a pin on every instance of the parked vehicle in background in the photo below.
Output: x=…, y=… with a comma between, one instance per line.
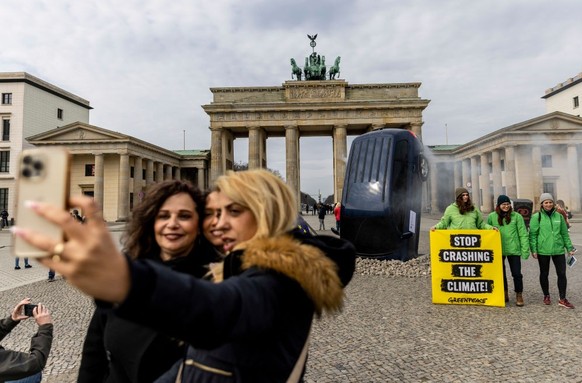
x=382, y=194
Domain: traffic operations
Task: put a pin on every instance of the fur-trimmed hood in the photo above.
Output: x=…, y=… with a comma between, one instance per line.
x=308, y=264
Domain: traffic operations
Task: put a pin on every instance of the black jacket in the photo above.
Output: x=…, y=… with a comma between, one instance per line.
x=118, y=350
x=15, y=365
x=252, y=326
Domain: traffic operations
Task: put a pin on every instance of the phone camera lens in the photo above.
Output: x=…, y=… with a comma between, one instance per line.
x=26, y=172
x=37, y=165
x=27, y=160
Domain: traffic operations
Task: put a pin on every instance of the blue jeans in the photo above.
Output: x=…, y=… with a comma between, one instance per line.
x=17, y=261
x=51, y=274
x=36, y=378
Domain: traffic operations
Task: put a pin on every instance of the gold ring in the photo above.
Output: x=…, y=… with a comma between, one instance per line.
x=58, y=251
x=59, y=248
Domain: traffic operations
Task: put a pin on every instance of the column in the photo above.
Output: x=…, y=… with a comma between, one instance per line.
x=137, y=179
x=573, y=175
x=123, y=190
x=416, y=128
x=159, y=172
x=485, y=184
x=291, y=160
x=475, y=196
x=201, y=179
x=496, y=173
x=98, y=190
x=340, y=144
x=466, y=170
x=149, y=172
x=537, y=175
x=216, y=157
x=168, y=175
x=178, y=173
x=254, y=147
x=510, y=178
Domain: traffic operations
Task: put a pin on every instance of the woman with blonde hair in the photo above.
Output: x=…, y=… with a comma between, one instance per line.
x=253, y=326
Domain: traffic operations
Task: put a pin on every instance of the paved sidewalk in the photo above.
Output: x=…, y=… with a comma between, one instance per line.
x=389, y=330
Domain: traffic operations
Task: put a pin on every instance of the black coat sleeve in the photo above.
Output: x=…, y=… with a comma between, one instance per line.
x=207, y=314
x=94, y=362
x=16, y=365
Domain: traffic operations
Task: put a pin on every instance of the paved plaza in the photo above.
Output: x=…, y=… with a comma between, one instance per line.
x=389, y=330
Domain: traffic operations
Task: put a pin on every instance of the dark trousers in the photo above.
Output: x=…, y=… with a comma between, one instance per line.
x=560, y=265
x=515, y=267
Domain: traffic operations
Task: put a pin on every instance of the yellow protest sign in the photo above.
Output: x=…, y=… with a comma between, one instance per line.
x=467, y=267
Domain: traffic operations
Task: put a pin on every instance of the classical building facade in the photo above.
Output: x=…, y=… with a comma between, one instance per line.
x=116, y=168
x=522, y=161
x=30, y=106
x=302, y=109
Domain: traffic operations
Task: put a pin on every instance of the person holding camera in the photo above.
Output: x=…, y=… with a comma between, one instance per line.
x=26, y=367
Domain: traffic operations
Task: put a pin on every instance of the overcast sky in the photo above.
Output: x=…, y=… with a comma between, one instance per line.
x=146, y=66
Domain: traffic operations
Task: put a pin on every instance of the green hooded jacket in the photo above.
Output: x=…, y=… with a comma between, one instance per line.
x=453, y=219
x=514, y=236
x=548, y=235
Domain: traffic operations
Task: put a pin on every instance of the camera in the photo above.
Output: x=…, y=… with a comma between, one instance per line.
x=28, y=309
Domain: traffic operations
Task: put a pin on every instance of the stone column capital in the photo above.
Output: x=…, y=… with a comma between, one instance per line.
x=288, y=127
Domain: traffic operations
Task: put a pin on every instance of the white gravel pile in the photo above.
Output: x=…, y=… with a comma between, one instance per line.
x=417, y=267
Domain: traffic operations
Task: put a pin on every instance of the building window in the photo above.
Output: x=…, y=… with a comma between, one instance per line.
x=549, y=187
x=502, y=165
x=143, y=174
x=6, y=130
x=576, y=102
x=4, y=199
x=89, y=170
x=4, y=161
x=6, y=98
x=546, y=161
x=131, y=171
x=60, y=114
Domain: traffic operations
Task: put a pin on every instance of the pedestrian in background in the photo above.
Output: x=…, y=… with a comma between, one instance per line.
x=514, y=244
x=548, y=240
x=17, y=263
x=462, y=214
x=4, y=217
x=321, y=215
x=337, y=213
x=26, y=367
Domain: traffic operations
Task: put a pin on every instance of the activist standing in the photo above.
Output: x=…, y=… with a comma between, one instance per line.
x=514, y=243
x=462, y=214
x=549, y=239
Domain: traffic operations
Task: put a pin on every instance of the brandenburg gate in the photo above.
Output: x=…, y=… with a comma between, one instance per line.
x=316, y=106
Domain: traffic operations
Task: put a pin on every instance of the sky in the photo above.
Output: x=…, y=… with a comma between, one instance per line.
x=147, y=66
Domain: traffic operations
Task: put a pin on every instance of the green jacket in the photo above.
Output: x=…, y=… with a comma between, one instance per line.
x=453, y=219
x=514, y=236
x=548, y=235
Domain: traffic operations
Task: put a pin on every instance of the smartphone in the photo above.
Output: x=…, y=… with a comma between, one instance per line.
x=28, y=309
x=43, y=176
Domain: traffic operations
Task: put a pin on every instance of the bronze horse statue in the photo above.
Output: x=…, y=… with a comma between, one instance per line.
x=334, y=69
x=295, y=70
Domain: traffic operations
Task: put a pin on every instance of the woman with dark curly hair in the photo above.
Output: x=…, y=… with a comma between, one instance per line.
x=164, y=228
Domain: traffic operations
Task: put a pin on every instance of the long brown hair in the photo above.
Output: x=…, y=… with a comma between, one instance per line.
x=139, y=239
x=500, y=214
x=464, y=207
